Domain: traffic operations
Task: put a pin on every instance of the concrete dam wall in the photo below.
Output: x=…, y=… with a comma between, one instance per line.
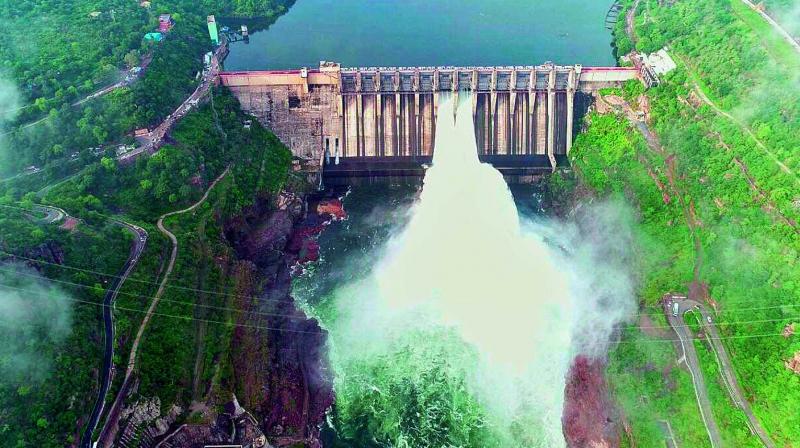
x=382, y=121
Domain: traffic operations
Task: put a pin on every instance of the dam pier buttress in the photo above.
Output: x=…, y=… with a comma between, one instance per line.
x=381, y=121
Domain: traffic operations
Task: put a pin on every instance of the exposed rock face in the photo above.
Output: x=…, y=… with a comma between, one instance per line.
x=234, y=426
x=48, y=251
x=589, y=418
x=793, y=364
x=144, y=423
x=279, y=358
x=280, y=376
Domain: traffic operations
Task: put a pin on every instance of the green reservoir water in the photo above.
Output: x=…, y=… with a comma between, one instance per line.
x=430, y=32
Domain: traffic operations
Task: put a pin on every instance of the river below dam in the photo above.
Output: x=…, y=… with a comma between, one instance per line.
x=427, y=33
x=453, y=309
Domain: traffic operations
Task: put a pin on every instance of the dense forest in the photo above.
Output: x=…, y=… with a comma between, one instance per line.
x=48, y=382
x=205, y=143
x=267, y=9
x=718, y=209
x=63, y=51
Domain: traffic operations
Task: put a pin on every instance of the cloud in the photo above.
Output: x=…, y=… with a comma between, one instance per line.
x=9, y=108
x=34, y=315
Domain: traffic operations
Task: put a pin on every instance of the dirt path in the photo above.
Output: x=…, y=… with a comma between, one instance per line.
x=687, y=205
x=106, y=437
x=704, y=98
x=672, y=189
x=630, y=18
x=682, y=331
x=167, y=273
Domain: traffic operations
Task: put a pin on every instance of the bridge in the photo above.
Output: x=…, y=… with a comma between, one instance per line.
x=381, y=121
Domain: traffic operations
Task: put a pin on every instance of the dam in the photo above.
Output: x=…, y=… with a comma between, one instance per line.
x=381, y=121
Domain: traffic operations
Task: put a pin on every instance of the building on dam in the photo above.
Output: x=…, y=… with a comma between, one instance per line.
x=381, y=121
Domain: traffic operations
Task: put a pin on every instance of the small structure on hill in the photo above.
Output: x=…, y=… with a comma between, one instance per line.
x=155, y=37
x=165, y=23
x=652, y=66
x=660, y=61
x=212, y=30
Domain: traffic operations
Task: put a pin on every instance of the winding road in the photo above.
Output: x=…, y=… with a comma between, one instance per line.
x=689, y=357
x=140, y=239
x=155, y=138
x=109, y=429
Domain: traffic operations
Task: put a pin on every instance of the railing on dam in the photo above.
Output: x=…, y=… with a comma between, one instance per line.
x=383, y=114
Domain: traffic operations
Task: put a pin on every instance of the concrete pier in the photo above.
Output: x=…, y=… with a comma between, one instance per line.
x=379, y=113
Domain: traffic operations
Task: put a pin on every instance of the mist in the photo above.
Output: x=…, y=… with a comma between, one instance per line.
x=34, y=316
x=789, y=18
x=9, y=108
x=503, y=302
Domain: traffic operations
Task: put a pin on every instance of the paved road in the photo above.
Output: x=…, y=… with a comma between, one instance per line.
x=77, y=103
x=25, y=126
x=689, y=357
x=775, y=25
x=729, y=374
x=52, y=214
x=725, y=366
x=140, y=239
x=108, y=432
x=156, y=137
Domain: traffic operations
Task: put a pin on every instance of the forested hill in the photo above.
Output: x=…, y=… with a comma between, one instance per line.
x=715, y=185
x=249, y=8
x=57, y=52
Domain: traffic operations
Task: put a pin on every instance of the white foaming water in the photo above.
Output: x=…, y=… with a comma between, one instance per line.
x=508, y=312
x=465, y=259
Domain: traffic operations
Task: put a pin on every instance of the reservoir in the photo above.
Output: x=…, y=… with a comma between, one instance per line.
x=428, y=33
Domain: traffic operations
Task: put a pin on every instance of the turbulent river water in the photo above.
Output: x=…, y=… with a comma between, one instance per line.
x=453, y=317
x=454, y=310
